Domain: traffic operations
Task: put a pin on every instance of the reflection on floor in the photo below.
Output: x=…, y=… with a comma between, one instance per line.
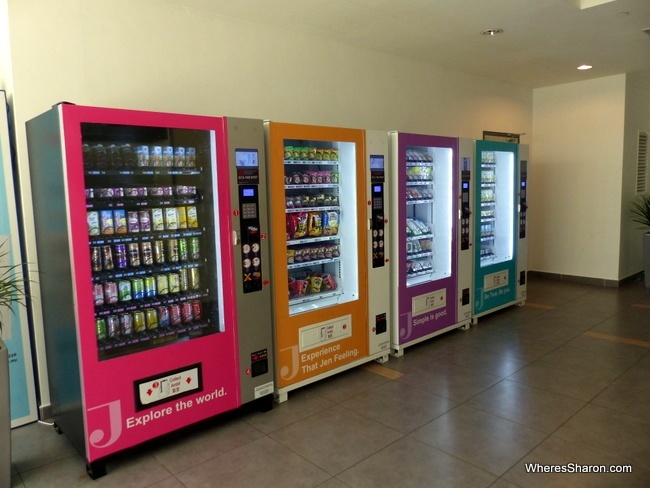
x=561, y=385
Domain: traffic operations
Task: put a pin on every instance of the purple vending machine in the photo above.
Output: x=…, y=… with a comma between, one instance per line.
x=431, y=274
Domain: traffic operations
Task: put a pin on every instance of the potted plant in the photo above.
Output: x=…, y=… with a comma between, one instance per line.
x=11, y=283
x=641, y=215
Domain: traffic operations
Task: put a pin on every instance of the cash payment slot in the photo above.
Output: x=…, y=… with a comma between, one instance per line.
x=247, y=164
x=378, y=218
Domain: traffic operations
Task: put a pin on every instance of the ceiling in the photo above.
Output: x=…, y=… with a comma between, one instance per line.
x=542, y=44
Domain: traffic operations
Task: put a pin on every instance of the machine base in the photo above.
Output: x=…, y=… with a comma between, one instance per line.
x=281, y=394
x=519, y=302
x=97, y=468
x=397, y=350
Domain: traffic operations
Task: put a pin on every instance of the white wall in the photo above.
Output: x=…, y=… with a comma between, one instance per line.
x=151, y=55
x=637, y=118
x=575, y=191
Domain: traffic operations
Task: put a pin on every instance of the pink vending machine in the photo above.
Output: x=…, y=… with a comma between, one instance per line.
x=141, y=292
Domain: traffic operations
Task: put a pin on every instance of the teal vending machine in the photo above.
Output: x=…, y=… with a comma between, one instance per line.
x=499, y=218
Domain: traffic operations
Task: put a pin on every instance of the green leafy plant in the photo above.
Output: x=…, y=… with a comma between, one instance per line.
x=12, y=290
x=641, y=211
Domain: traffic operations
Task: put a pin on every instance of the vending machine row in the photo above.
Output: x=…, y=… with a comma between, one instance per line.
x=190, y=265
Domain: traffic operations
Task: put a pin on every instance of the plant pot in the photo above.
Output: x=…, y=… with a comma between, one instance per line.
x=646, y=258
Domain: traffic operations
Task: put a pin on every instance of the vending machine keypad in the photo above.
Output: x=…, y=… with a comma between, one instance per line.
x=250, y=238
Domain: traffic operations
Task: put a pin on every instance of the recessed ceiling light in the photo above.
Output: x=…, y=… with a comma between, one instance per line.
x=492, y=32
x=585, y=67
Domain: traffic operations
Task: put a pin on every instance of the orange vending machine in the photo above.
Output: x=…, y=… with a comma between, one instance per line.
x=317, y=192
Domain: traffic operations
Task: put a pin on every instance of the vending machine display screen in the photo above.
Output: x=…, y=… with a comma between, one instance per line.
x=246, y=158
x=376, y=162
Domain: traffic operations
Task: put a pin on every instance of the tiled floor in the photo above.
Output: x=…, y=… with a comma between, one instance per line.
x=565, y=379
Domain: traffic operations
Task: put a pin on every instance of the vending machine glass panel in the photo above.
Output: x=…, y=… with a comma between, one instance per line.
x=152, y=225
x=496, y=207
x=321, y=226
x=428, y=214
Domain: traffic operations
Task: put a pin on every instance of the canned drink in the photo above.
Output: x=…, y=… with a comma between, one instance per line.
x=190, y=157
x=110, y=292
x=90, y=193
x=162, y=284
x=168, y=156
x=186, y=313
x=174, y=282
x=156, y=191
x=179, y=157
x=195, y=248
x=137, y=288
x=106, y=222
x=175, y=314
x=147, y=254
x=182, y=217
x=157, y=219
x=151, y=318
x=195, y=280
x=183, y=279
x=134, y=254
x=149, y=287
x=113, y=326
x=163, y=317
x=133, y=222
x=197, y=312
x=139, y=323
x=100, y=326
x=119, y=219
x=96, y=258
x=171, y=218
x=155, y=156
x=118, y=192
x=93, y=223
x=192, y=218
x=159, y=252
x=124, y=290
x=126, y=324
x=107, y=258
x=142, y=154
x=182, y=250
x=121, y=260
x=172, y=250
x=167, y=191
x=98, y=294
x=145, y=220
